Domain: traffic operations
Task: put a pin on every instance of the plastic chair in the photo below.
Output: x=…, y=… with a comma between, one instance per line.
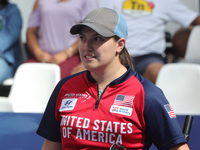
x=32, y=86
x=5, y=105
x=180, y=83
x=193, y=46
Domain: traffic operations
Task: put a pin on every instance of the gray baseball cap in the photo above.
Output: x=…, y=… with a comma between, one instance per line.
x=104, y=21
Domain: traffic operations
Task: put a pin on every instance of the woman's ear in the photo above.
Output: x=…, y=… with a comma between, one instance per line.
x=121, y=44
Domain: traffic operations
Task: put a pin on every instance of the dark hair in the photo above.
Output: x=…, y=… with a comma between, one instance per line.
x=4, y=2
x=124, y=56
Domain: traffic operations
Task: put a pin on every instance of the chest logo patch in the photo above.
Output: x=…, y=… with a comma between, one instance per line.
x=121, y=110
x=123, y=105
x=68, y=104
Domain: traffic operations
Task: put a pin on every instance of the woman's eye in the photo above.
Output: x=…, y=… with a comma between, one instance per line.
x=97, y=39
x=82, y=38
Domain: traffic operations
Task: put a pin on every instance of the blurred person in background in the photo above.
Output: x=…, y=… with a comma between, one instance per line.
x=10, y=30
x=147, y=21
x=48, y=36
x=179, y=41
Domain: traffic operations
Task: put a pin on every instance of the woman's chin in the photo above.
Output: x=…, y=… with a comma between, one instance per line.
x=90, y=67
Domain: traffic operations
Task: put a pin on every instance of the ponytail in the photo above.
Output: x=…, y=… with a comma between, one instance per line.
x=124, y=56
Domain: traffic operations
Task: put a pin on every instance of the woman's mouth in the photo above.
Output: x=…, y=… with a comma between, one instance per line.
x=89, y=56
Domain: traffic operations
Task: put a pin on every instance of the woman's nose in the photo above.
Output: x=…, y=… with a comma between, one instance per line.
x=85, y=47
x=88, y=46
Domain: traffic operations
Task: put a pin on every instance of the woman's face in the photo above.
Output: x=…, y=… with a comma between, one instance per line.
x=95, y=50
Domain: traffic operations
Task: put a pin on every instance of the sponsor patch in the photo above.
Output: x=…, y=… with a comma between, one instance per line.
x=121, y=110
x=68, y=104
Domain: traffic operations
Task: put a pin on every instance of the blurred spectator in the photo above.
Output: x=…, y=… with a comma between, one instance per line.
x=186, y=45
x=146, y=21
x=10, y=30
x=48, y=36
x=179, y=42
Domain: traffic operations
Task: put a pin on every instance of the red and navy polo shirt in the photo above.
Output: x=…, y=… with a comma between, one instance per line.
x=131, y=112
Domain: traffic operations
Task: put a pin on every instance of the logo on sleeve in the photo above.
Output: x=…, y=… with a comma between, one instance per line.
x=170, y=110
x=68, y=104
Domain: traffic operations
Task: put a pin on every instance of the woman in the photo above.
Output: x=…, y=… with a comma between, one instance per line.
x=48, y=37
x=10, y=30
x=109, y=104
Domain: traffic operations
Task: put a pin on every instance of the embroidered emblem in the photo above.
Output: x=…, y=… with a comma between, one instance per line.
x=170, y=110
x=123, y=105
x=68, y=104
x=121, y=110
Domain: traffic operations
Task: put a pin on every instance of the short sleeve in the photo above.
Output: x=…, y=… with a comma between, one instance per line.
x=162, y=127
x=180, y=13
x=35, y=18
x=49, y=127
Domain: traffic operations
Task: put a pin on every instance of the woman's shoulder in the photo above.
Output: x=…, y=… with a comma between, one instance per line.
x=150, y=90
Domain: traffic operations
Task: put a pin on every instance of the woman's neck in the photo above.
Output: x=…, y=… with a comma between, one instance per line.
x=105, y=78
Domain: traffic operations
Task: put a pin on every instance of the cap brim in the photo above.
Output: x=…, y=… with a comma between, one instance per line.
x=100, y=30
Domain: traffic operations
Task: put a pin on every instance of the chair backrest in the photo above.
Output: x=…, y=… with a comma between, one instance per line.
x=180, y=82
x=5, y=105
x=32, y=86
x=193, y=45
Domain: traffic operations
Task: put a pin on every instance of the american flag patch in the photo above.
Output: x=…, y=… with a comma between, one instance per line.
x=124, y=100
x=170, y=110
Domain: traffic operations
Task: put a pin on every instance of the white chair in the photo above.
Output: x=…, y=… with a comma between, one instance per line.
x=32, y=86
x=180, y=82
x=5, y=105
x=193, y=45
